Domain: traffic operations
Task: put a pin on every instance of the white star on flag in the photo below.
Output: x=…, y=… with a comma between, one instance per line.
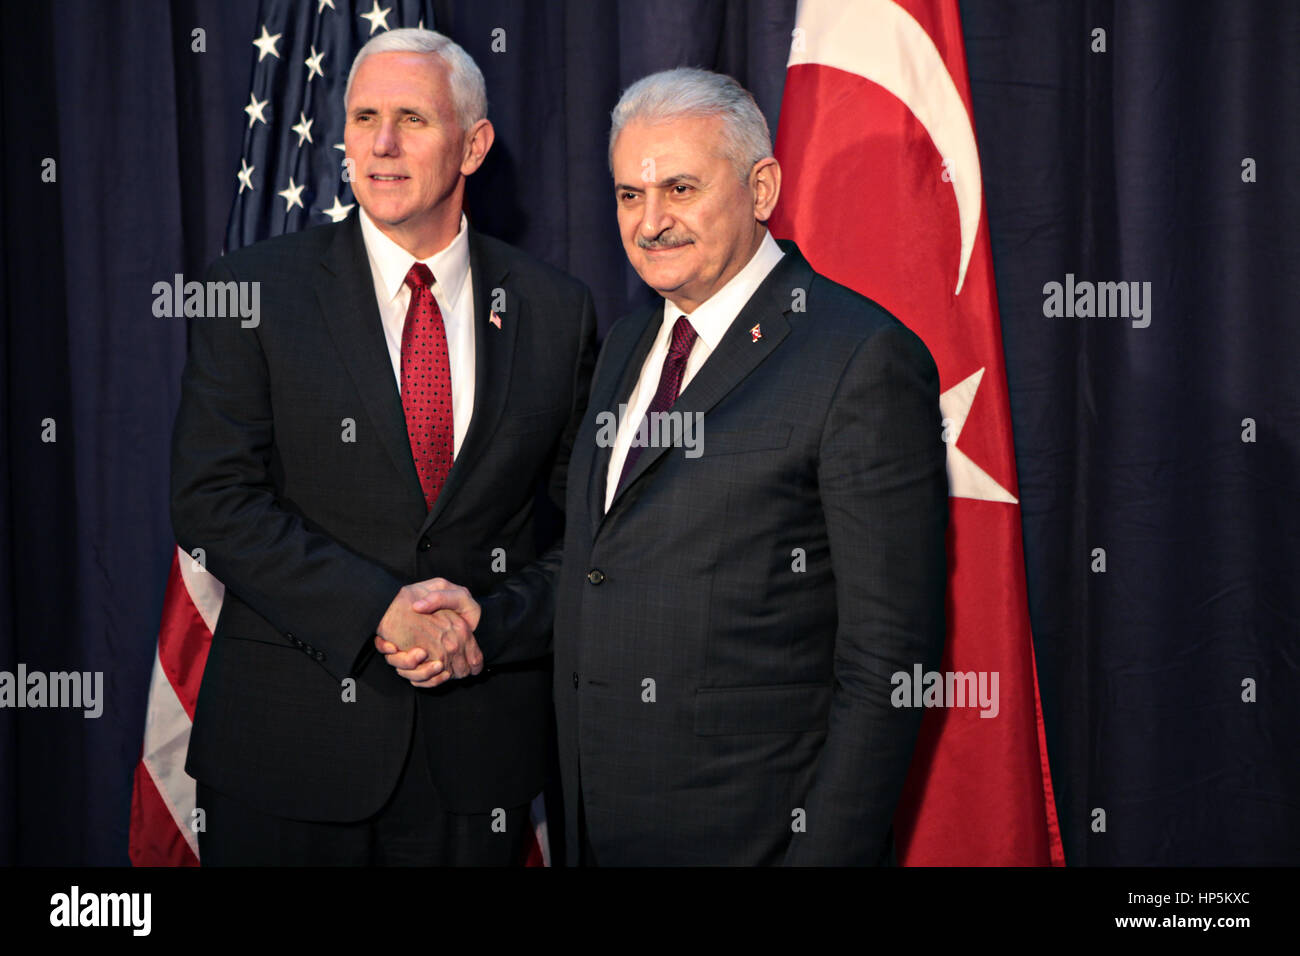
x=323, y=5
x=245, y=175
x=965, y=478
x=313, y=64
x=339, y=212
x=266, y=44
x=292, y=195
x=303, y=128
x=254, y=110
x=377, y=17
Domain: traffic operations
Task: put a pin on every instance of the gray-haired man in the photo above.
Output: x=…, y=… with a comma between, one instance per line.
x=463, y=366
x=729, y=616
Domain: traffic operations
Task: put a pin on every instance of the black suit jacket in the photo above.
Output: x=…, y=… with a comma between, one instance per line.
x=725, y=636
x=313, y=534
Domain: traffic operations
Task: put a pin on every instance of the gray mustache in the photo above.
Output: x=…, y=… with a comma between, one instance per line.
x=662, y=242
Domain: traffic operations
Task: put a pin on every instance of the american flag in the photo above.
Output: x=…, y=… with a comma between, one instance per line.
x=290, y=177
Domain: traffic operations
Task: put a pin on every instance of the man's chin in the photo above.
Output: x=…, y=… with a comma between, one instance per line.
x=385, y=215
x=662, y=281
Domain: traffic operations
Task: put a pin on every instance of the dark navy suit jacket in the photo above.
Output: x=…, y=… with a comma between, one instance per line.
x=313, y=534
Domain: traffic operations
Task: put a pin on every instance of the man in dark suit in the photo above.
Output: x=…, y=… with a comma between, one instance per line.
x=382, y=428
x=729, y=615
x=755, y=525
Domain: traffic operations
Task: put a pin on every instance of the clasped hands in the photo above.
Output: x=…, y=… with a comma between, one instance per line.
x=427, y=633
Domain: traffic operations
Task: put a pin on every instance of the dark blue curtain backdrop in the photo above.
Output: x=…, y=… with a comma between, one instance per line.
x=1123, y=165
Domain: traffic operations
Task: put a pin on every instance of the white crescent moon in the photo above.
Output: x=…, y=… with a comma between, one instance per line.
x=882, y=42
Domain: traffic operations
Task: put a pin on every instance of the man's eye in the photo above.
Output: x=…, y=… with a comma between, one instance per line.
x=681, y=189
x=626, y=197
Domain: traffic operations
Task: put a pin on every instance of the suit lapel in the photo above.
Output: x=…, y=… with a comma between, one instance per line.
x=494, y=350
x=739, y=352
x=346, y=294
x=614, y=392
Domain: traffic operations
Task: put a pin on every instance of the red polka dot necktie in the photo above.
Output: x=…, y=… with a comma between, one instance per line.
x=670, y=384
x=426, y=385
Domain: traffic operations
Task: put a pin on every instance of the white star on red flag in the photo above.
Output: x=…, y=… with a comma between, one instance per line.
x=965, y=478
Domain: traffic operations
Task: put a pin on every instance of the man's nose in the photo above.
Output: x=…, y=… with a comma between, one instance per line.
x=386, y=139
x=654, y=215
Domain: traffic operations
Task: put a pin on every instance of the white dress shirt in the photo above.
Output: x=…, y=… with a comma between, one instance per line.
x=452, y=290
x=710, y=321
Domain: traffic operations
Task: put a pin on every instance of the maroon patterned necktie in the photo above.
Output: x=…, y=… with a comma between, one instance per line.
x=426, y=385
x=670, y=385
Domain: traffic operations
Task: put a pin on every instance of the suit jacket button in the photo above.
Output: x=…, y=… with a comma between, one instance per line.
x=575, y=680
x=425, y=543
x=596, y=576
x=293, y=640
x=319, y=655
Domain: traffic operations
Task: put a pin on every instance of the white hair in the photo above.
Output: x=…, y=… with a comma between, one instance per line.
x=687, y=91
x=468, y=91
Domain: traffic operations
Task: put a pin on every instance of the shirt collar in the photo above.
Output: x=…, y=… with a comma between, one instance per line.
x=712, y=318
x=390, y=262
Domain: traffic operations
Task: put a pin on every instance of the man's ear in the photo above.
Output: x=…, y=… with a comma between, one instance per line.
x=765, y=184
x=478, y=141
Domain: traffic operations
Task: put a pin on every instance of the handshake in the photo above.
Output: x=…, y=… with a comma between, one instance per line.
x=427, y=633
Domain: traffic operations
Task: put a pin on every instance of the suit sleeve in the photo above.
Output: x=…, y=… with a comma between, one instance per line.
x=306, y=584
x=517, y=617
x=884, y=489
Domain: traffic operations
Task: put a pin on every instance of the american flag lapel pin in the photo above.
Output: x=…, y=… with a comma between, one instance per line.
x=495, y=320
x=756, y=333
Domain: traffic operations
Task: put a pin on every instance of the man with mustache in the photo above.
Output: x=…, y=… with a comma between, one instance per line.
x=728, y=622
x=382, y=429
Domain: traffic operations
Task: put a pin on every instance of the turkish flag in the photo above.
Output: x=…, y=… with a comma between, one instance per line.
x=883, y=193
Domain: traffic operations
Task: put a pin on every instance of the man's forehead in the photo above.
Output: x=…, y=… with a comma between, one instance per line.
x=384, y=75
x=678, y=147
